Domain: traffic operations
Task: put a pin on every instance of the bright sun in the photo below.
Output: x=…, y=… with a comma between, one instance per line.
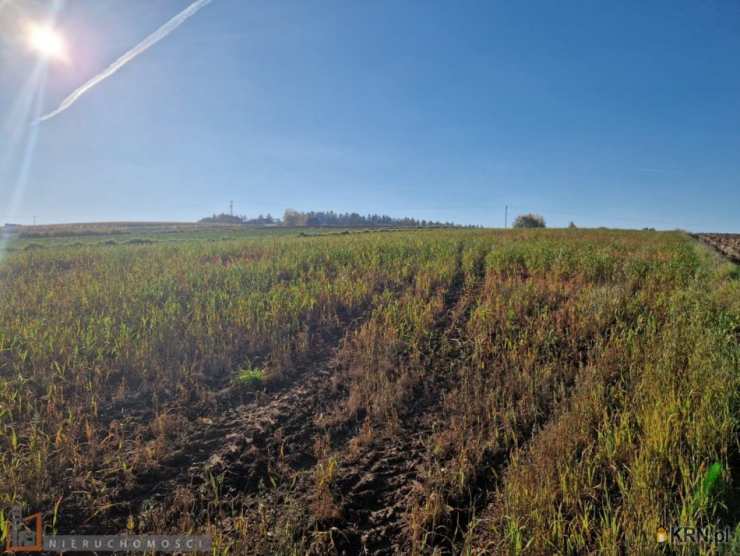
x=47, y=42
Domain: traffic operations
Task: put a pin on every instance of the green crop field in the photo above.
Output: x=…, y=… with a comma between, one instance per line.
x=428, y=391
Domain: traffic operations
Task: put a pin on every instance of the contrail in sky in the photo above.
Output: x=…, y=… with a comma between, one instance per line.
x=144, y=45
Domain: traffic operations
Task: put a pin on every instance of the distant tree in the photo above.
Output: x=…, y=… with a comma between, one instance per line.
x=292, y=217
x=222, y=219
x=529, y=221
x=572, y=224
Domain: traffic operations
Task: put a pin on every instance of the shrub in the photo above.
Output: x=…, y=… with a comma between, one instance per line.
x=529, y=221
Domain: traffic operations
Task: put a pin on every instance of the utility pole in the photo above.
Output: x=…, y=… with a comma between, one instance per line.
x=506, y=216
x=231, y=208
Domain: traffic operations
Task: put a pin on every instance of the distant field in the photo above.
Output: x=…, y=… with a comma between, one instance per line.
x=458, y=391
x=138, y=233
x=105, y=228
x=60, y=235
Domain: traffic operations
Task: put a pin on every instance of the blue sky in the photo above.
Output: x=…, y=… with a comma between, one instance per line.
x=622, y=114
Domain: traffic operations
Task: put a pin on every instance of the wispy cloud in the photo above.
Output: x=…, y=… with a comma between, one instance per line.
x=140, y=48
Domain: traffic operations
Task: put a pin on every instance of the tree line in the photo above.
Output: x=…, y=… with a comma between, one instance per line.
x=295, y=218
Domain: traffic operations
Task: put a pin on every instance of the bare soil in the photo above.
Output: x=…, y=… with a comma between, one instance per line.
x=726, y=244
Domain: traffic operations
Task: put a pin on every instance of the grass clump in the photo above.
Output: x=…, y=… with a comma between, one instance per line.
x=252, y=377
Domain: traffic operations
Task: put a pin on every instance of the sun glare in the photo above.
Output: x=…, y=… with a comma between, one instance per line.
x=47, y=42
